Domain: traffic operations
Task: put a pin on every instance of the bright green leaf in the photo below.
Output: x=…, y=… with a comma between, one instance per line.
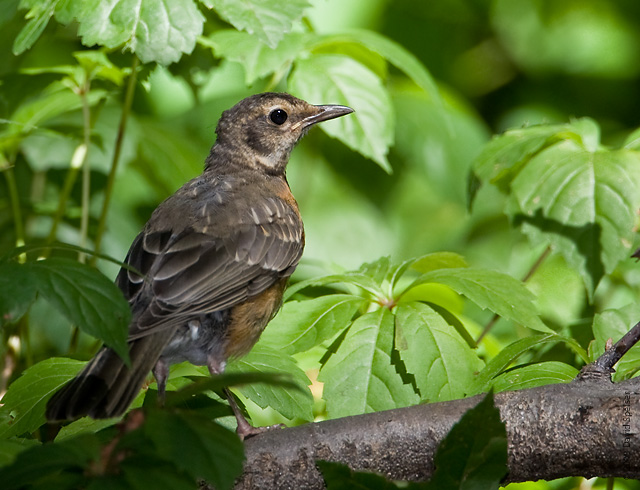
x=335, y=79
x=257, y=58
x=27, y=396
x=582, y=203
x=439, y=260
x=433, y=351
x=301, y=325
x=153, y=29
x=269, y=20
x=532, y=375
x=500, y=293
x=473, y=456
x=348, y=278
x=290, y=402
x=197, y=445
x=506, y=356
x=360, y=377
x=86, y=297
x=37, y=19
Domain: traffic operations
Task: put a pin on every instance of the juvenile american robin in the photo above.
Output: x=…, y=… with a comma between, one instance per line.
x=214, y=257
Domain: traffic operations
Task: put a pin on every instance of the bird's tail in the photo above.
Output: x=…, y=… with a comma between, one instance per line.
x=106, y=386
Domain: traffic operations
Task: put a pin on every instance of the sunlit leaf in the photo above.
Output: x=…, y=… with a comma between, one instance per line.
x=257, y=58
x=360, y=377
x=613, y=324
x=530, y=376
x=335, y=79
x=301, y=325
x=290, y=402
x=442, y=363
x=269, y=20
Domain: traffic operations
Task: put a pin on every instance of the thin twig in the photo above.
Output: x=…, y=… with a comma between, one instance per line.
x=126, y=109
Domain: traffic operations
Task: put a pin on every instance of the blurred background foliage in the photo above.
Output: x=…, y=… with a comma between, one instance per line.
x=499, y=64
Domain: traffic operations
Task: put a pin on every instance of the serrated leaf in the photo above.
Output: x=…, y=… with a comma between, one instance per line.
x=498, y=292
x=86, y=297
x=433, y=351
x=269, y=20
x=506, y=356
x=532, y=375
x=335, y=79
x=360, y=376
x=17, y=292
x=48, y=459
x=300, y=325
x=40, y=12
x=257, y=58
x=582, y=203
x=27, y=396
x=202, y=448
x=290, y=402
x=153, y=29
x=473, y=456
x=613, y=324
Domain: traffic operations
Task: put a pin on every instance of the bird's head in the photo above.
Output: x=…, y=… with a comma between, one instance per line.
x=264, y=128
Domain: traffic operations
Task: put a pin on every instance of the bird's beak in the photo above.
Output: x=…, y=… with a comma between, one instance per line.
x=323, y=113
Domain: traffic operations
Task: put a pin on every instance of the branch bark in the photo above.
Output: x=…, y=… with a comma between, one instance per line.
x=586, y=428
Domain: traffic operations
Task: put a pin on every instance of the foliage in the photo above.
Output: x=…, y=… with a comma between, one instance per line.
x=106, y=109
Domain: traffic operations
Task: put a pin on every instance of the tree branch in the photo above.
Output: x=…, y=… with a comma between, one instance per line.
x=586, y=428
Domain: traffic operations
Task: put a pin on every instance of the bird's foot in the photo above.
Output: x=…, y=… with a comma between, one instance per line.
x=246, y=430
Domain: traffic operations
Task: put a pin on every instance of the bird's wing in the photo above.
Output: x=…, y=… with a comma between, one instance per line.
x=197, y=272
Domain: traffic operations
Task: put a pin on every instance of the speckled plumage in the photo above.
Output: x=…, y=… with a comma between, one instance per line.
x=213, y=259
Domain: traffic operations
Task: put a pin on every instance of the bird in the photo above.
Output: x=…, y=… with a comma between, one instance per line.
x=208, y=271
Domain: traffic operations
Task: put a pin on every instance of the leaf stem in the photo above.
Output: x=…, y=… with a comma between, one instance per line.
x=126, y=109
x=536, y=265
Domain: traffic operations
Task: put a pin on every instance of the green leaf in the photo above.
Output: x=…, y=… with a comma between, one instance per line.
x=10, y=448
x=300, y=325
x=506, y=356
x=153, y=29
x=338, y=476
x=269, y=20
x=86, y=297
x=360, y=376
x=336, y=79
x=500, y=293
x=474, y=453
x=27, y=396
x=142, y=473
x=257, y=58
x=38, y=462
x=395, y=54
x=433, y=351
x=17, y=292
x=439, y=260
x=532, y=375
x=290, y=402
x=40, y=11
x=613, y=324
x=350, y=278
x=582, y=203
x=202, y=448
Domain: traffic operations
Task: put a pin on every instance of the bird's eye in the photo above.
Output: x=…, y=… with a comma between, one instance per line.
x=278, y=116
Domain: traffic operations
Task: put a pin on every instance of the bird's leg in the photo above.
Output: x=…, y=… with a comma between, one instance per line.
x=245, y=429
x=161, y=373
